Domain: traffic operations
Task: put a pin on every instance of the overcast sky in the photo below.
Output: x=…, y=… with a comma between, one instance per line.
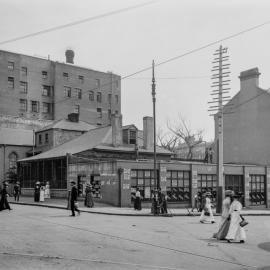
x=127, y=42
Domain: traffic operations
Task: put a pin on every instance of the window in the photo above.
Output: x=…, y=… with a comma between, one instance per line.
x=77, y=108
x=11, y=82
x=24, y=71
x=125, y=136
x=39, y=139
x=67, y=91
x=35, y=106
x=46, y=107
x=116, y=99
x=109, y=114
x=81, y=79
x=132, y=136
x=65, y=75
x=109, y=98
x=91, y=96
x=116, y=84
x=116, y=112
x=44, y=75
x=99, y=97
x=97, y=83
x=23, y=105
x=46, y=137
x=46, y=90
x=208, y=182
x=144, y=180
x=12, y=158
x=178, y=186
x=257, y=191
x=23, y=87
x=10, y=65
x=99, y=110
x=78, y=93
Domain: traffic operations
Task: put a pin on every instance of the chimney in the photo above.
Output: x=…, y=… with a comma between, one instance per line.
x=148, y=132
x=70, y=56
x=249, y=78
x=116, y=122
x=73, y=117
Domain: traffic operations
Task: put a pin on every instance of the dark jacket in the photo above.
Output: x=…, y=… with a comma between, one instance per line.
x=74, y=194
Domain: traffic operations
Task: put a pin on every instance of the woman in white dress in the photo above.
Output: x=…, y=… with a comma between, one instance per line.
x=207, y=214
x=42, y=194
x=236, y=232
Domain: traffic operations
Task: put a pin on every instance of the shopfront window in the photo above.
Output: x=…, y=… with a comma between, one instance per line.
x=257, y=189
x=178, y=186
x=208, y=182
x=144, y=180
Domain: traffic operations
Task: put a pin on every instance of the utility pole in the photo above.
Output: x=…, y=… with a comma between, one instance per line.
x=220, y=85
x=154, y=116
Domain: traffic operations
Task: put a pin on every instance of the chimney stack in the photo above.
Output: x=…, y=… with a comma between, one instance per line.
x=117, y=137
x=70, y=56
x=148, y=132
x=249, y=78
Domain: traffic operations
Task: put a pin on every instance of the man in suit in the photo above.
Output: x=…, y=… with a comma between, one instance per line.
x=73, y=199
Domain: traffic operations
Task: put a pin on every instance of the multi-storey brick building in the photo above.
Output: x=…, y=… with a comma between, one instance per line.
x=37, y=88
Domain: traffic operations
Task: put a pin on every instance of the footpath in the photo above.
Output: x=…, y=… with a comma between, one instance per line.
x=101, y=208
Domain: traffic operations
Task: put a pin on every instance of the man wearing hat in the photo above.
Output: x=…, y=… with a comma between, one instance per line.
x=4, y=195
x=73, y=199
x=16, y=191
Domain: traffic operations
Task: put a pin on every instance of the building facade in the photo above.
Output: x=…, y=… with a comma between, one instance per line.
x=36, y=88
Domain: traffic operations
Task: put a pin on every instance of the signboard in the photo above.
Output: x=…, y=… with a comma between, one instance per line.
x=147, y=192
x=126, y=174
x=126, y=186
x=194, y=179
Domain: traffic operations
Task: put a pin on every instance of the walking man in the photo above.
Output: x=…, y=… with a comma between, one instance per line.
x=73, y=199
x=4, y=198
x=16, y=191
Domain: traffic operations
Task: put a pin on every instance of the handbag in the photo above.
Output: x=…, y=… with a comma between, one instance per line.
x=76, y=204
x=243, y=223
x=206, y=213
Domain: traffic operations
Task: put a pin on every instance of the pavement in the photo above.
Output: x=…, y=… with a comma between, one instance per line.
x=102, y=208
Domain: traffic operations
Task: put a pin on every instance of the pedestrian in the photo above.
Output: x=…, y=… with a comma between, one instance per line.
x=137, y=202
x=88, y=201
x=224, y=223
x=73, y=199
x=236, y=232
x=163, y=207
x=207, y=214
x=155, y=207
x=42, y=193
x=4, y=198
x=37, y=192
x=196, y=202
x=16, y=191
x=47, y=194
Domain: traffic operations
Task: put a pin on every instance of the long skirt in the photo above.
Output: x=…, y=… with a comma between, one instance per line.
x=89, y=200
x=208, y=218
x=236, y=232
x=137, y=203
x=223, y=230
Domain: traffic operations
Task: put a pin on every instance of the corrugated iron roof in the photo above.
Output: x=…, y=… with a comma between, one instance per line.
x=15, y=136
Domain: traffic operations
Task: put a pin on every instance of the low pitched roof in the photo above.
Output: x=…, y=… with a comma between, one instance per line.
x=69, y=125
x=15, y=136
x=99, y=138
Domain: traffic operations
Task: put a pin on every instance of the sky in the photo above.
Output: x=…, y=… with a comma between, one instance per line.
x=127, y=42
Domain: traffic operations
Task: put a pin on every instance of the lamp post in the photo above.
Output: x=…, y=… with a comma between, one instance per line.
x=154, y=117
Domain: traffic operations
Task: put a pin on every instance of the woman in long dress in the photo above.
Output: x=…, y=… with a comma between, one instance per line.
x=137, y=203
x=42, y=194
x=224, y=222
x=88, y=202
x=236, y=232
x=207, y=214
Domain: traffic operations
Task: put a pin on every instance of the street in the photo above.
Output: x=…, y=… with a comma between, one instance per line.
x=44, y=238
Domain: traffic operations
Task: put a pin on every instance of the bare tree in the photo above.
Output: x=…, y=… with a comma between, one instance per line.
x=167, y=140
x=185, y=135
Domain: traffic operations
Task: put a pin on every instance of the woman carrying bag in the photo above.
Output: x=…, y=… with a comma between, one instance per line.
x=207, y=214
x=236, y=232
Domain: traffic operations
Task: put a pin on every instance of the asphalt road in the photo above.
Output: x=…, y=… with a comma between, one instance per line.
x=44, y=238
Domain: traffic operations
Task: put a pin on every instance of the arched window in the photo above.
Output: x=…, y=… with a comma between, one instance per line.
x=13, y=157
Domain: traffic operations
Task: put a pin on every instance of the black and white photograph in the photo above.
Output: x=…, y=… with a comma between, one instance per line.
x=134, y=134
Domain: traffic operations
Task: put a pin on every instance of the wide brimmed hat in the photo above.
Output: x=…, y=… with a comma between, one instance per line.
x=208, y=193
x=229, y=192
x=72, y=182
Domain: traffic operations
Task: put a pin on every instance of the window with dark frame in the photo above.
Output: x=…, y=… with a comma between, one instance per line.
x=91, y=96
x=23, y=87
x=67, y=91
x=77, y=108
x=178, y=186
x=23, y=105
x=24, y=71
x=99, y=97
x=44, y=75
x=78, y=93
x=257, y=190
x=65, y=76
x=81, y=79
x=11, y=82
x=109, y=113
x=207, y=182
x=12, y=159
x=132, y=136
x=109, y=98
x=45, y=107
x=99, y=110
x=10, y=65
x=39, y=139
x=46, y=137
x=34, y=106
x=46, y=90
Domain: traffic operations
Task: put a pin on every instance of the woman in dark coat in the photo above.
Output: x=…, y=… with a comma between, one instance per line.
x=4, y=201
x=37, y=192
x=88, y=202
x=137, y=202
